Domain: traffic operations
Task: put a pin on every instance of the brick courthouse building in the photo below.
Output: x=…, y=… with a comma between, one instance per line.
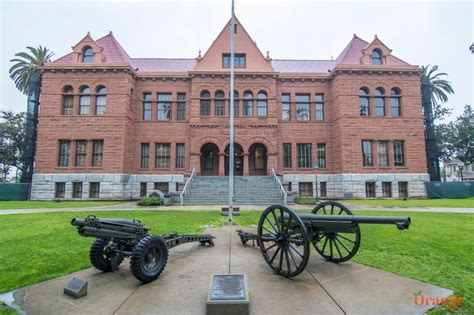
x=116, y=127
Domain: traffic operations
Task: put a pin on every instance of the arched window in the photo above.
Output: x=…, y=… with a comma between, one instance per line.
x=100, y=100
x=219, y=103
x=262, y=103
x=205, y=103
x=87, y=55
x=376, y=57
x=68, y=100
x=395, y=103
x=248, y=104
x=379, y=102
x=364, y=101
x=84, y=100
x=236, y=104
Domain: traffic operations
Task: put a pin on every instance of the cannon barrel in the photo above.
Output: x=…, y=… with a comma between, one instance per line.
x=121, y=225
x=105, y=233
x=315, y=219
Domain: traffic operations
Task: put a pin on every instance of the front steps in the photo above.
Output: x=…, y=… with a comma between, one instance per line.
x=248, y=190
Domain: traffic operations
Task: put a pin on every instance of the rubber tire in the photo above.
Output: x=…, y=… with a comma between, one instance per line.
x=96, y=256
x=138, y=255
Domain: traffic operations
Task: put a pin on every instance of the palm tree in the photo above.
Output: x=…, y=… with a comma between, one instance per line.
x=440, y=88
x=28, y=63
x=26, y=74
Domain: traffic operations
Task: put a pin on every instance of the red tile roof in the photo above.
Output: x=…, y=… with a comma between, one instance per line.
x=113, y=52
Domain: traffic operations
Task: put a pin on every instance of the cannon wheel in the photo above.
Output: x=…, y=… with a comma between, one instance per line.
x=335, y=246
x=149, y=258
x=101, y=255
x=283, y=241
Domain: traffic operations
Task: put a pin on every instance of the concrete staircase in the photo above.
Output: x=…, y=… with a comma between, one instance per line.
x=248, y=190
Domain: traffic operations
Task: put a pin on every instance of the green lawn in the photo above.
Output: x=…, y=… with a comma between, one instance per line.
x=54, y=204
x=442, y=203
x=438, y=247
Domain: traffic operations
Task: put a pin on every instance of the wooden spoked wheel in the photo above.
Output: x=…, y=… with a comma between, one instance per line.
x=335, y=246
x=283, y=241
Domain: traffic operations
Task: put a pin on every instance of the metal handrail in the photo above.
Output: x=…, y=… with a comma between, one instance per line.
x=283, y=192
x=185, y=189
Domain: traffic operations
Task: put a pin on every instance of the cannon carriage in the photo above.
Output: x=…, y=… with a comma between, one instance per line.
x=285, y=237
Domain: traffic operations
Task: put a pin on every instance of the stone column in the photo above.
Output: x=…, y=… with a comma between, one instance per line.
x=246, y=164
x=221, y=164
x=272, y=162
x=195, y=162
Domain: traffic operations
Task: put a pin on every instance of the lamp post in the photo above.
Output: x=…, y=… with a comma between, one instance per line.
x=231, y=101
x=460, y=168
x=316, y=167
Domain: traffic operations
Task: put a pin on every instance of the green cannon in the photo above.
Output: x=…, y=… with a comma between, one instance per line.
x=117, y=239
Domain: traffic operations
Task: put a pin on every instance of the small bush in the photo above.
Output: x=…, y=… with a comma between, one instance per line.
x=305, y=201
x=150, y=201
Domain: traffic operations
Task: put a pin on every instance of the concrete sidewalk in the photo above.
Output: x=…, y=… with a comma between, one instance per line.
x=324, y=288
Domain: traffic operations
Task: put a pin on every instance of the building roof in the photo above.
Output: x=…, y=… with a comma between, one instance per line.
x=113, y=52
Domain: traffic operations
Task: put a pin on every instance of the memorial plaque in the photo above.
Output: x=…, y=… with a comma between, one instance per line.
x=77, y=288
x=228, y=287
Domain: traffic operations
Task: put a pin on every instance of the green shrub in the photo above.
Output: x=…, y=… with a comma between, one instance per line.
x=150, y=201
x=305, y=201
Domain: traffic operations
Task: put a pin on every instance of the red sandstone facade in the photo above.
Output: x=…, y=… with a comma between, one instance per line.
x=333, y=85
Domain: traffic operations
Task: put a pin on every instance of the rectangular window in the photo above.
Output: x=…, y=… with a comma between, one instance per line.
x=97, y=152
x=94, y=190
x=302, y=107
x=320, y=107
x=81, y=152
x=163, y=187
x=321, y=155
x=142, y=189
x=59, y=190
x=77, y=190
x=205, y=107
x=145, y=155
x=287, y=155
x=162, y=155
x=84, y=104
x=403, y=189
x=239, y=60
x=370, y=189
x=67, y=105
x=382, y=150
x=367, y=159
x=305, y=189
x=285, y=107
x=398, y=153
x=147, y=106
x=181, y=107
x=163, y=107
x=100, y=103
x=379, y=106
x=322, y=189
x=219, y=107
x=304, y=154
x=180, y=150
x=387, y=189
x=64, y=151
x=395, y=106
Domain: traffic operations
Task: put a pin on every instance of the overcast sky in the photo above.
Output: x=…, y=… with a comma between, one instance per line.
x=421, y=33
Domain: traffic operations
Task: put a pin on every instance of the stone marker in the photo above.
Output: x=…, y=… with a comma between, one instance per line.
x=228, y=295
x=76, y=288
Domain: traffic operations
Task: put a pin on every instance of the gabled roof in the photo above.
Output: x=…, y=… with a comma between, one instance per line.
x=164, y=64
x=289, y=65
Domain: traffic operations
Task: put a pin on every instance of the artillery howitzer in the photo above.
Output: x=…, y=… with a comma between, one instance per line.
x=120, y=238
x=284, y=237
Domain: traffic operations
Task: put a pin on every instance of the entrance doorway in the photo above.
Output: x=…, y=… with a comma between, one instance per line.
x=258, y=159
x=238, y=160
x=209, y=160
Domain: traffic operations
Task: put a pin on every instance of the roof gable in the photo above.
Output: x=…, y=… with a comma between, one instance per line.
x=212, y=59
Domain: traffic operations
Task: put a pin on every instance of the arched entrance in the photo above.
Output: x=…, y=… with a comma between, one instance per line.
x=258, y=159
x=209, y=160
x=238, y=160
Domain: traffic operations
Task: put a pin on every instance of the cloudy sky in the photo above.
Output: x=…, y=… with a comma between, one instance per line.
x=419, y=32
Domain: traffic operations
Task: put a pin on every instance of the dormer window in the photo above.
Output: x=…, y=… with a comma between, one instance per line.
x=87, y=55
x=376, y=57
x=239, y=60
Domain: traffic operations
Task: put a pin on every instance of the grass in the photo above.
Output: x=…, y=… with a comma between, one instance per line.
x=437, y=203
x=305, y=201
x=438, y=248
x=4, y=205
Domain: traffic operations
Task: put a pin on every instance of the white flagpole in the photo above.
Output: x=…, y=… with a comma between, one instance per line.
x=231, y=114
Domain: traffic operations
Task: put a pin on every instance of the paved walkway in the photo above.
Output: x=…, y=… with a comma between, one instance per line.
x=324, y=288
x=133, y=206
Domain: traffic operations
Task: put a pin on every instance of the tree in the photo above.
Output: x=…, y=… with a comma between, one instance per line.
x=26, y=74
x=12, y=141
x=434, y=90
